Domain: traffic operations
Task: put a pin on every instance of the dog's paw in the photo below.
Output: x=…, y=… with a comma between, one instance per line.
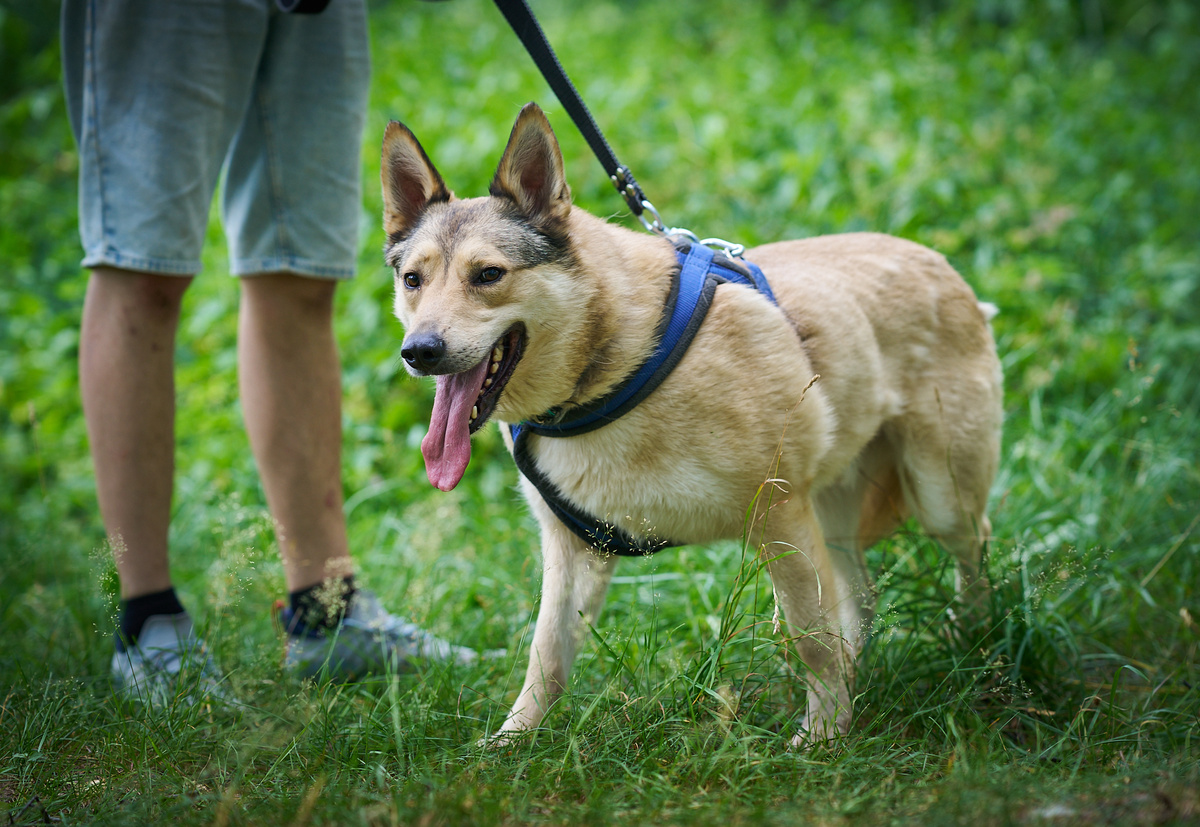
x=805, y=740
x=821, y=728
x=503, y=739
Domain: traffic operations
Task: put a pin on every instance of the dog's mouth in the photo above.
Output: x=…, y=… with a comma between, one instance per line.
x=502, y=361
x=462, y=405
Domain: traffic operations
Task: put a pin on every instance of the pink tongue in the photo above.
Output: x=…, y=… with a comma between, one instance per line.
x=447, y=446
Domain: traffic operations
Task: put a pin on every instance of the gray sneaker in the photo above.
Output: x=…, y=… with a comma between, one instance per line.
x=168, y=665
x=369, y=640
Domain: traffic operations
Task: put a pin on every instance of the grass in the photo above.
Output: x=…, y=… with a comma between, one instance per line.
x=1052, y=153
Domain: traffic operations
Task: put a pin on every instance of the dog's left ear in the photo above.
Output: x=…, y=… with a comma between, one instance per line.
x=410, y=182
x=531, y=171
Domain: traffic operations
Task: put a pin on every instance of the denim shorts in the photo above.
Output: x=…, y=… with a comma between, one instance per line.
x=168, y=97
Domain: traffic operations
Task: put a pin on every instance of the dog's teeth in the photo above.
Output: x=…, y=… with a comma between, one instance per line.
x=497, y=354
x=474, y=412
x=494, y=367
x=487, y=383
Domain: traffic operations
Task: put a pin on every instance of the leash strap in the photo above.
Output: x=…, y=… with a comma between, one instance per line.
x=695, y=283
x=527, y=28
x=301, y=6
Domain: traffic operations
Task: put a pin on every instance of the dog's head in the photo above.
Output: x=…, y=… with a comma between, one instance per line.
x=482, y=285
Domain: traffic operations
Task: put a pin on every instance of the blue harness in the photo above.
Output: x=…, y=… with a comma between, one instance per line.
x=692, y=290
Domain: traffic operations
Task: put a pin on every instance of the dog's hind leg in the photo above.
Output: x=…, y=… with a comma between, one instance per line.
x=574, y=582
x=948, y=459
x=824, y=615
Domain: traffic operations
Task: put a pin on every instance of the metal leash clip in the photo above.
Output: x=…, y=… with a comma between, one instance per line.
x=730, y=248
x=628, y=187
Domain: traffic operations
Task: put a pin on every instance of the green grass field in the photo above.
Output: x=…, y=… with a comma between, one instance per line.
x=1051, y=151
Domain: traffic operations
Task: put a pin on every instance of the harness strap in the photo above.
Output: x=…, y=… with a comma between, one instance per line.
x=692, y=289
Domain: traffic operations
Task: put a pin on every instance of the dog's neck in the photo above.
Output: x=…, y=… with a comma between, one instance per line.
x=630, y=275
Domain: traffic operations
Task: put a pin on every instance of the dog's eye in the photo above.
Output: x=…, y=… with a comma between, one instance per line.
x=490, y=274
x=412, y=280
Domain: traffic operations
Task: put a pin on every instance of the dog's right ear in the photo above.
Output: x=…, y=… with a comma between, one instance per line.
x=410, y=182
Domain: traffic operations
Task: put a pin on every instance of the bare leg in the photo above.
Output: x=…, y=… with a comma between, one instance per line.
x=290, y=382
x=126, y=377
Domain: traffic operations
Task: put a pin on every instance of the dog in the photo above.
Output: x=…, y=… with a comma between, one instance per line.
x=869, y=393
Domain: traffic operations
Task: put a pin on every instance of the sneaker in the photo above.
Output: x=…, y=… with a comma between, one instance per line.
x=368, y=640
x=169, y=664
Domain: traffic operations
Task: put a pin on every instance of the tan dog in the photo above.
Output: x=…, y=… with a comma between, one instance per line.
x=523, y=306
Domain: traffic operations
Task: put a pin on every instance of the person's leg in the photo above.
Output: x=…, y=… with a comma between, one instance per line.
x=291, y=205
x=127, y=381
x=290, y=381
x=126, y=376
x=154, y=106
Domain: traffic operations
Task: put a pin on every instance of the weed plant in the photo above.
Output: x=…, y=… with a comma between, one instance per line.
x=1051, y=151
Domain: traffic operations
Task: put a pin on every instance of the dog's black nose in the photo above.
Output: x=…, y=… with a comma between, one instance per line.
x=424, y=353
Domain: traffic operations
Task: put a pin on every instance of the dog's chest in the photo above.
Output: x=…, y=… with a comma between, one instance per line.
x=686, y=482
x=684, y=464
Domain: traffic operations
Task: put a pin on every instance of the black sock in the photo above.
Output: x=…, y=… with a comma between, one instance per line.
x=321, y=606
x=137, y=610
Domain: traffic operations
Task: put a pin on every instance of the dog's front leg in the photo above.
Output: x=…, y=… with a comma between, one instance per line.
x=575, y=580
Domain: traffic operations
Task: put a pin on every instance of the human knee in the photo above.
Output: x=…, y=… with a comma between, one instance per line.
x=294, y=297
x=149, y=295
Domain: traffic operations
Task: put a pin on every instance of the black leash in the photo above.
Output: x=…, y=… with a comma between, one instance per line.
x=527, y=28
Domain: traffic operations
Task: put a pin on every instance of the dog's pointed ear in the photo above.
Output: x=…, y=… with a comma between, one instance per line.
x=531, y=170
x=410, y=182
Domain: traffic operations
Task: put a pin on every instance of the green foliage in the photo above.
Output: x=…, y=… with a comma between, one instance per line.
x=1050, y=150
